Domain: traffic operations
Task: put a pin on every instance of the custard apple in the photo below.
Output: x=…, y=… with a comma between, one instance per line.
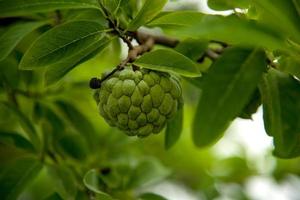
x=139, y=102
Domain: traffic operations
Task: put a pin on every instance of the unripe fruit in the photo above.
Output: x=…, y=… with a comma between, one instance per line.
x=139, y=102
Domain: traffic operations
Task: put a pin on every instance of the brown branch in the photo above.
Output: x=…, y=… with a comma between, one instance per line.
x=133, y=53
x=141, y=37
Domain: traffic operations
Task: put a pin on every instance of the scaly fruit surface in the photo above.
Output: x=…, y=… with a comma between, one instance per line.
x=139, y=102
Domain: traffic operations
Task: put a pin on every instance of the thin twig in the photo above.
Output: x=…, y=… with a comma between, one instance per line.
x=132, y=55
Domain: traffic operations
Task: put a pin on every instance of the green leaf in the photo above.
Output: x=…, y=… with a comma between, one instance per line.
x=91, y=181
x=280, y=14
x=25, y=123
x=113, y=5
x=54, y=196
x=226, y=89
x=61, y=43
x=151, y=196
x=230, y=29
x=9, y=73
x=20, y=7
x=147, y=172
x=16, y=175
x=281, y=106
x=148, y=11
x=15, y=139
x=14, y=34
x=228, y=4
x=64, y=178
x=74, y=146
x=289, y=65
x=79, y=121
x=174, y=129
x=177, y=19
x=42, y=111
x=252, y=106
x=58, y=70
x=192, y=48
x=169, y=61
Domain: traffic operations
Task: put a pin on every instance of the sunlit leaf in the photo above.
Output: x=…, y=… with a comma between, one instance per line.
x=281, y=14
x=20, y=7
x=280, y=97
x=228, y=4
x=148, y=171
x=168, y=61
x=90, y=180
x=226, y=89
x=148, y=11
x=230, y=29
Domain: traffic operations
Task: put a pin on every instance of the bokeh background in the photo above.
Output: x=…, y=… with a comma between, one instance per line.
x=239, y=166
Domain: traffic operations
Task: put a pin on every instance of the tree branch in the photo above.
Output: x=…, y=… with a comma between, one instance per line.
x=133, y=53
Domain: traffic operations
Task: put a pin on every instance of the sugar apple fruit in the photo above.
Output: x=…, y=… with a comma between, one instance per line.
x=139, y=102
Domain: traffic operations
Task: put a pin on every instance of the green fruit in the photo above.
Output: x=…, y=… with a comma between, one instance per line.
x=139, y=102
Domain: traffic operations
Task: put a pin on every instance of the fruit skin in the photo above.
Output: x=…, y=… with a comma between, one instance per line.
x=139, y=102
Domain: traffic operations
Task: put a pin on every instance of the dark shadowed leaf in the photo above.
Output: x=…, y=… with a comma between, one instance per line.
x=25, y=123
x=151, y=196
x=148, y=11
x=226, y=89
x=74, y=146
x=15, y=139
x=169, y=61
x=16, y=174
x=230, y=29
x=54, y=196
x=79, y=121
x=174, y=129
x=42, y=111
x=228, y=4
x=280, y=97
x=14, y=34
x=60, y=43
x=10, y=8
x=252, y=105
x=9, y=73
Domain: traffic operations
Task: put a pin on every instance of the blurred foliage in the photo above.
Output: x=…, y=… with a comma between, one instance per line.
x=54, y=145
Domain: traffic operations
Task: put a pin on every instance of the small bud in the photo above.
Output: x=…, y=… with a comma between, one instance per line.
x=95, y=83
